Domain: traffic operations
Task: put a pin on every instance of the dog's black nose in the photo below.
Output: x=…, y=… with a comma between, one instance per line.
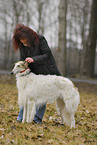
x=11, y=73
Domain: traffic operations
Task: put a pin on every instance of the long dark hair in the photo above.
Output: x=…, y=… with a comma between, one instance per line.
x=23, y=32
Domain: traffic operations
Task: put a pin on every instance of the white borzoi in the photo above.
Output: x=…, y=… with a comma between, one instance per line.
x=36, y=90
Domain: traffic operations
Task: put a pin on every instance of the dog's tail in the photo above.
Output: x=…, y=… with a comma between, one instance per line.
x=71, y=106
x=61, y=108
x=71, y=98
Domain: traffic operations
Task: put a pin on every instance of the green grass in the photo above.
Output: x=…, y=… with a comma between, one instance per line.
x=50, y=132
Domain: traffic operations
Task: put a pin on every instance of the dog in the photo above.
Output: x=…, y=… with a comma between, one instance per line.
x=36, y=90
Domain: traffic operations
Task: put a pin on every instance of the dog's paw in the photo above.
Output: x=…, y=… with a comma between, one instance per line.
x=72, y=126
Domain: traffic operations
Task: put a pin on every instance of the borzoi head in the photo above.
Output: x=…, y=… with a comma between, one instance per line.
x=20, y=68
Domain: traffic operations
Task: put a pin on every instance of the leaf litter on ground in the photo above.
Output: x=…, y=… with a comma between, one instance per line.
x=50, y=131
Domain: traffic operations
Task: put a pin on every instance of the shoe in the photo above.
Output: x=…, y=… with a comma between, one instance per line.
x=37, y=119
x=37, y=122
x=19, y=120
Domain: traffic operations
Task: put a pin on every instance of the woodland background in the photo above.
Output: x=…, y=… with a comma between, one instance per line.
x=70, y=27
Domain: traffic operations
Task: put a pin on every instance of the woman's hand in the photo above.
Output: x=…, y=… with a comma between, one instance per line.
x=29, y=59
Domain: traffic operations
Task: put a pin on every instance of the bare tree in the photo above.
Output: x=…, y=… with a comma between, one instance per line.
x=42, y=14
x=5, y=36
x=62, y=37
x=90, y=48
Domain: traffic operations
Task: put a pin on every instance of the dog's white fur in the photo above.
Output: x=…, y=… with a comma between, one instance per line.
x=36, y=90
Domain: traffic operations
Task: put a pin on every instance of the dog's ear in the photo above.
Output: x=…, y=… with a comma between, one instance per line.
x=25, y=64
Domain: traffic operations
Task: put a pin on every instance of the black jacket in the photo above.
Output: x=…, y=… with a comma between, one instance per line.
x=44, y=62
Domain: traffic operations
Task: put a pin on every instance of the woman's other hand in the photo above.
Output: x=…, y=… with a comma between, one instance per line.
x=29, y=59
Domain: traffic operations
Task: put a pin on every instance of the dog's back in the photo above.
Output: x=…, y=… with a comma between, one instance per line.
x=46, y=88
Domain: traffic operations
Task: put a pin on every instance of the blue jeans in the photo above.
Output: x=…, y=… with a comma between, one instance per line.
x=38, y=116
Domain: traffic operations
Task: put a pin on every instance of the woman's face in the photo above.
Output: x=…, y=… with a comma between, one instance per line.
x=24, y=41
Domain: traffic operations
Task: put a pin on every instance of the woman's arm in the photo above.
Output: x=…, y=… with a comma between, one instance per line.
x=45, y=53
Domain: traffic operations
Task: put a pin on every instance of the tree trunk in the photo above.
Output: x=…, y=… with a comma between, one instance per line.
x=90, y=48
x=62, y=37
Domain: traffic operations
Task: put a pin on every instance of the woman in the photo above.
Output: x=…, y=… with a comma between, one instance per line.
x=35, y=50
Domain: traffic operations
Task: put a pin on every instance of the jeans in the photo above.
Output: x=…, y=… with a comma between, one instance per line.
x=38, y=116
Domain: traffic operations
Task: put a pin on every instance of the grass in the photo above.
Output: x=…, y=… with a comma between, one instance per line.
x=50, y=132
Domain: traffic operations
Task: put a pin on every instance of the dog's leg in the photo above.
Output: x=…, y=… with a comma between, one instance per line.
x=31, y=109
x=24, y=113
x=72, y=120
x=60, y=107
x=28, y=110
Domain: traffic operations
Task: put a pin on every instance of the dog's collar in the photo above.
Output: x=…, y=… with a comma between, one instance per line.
x=23, y=70
x=25, y=74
